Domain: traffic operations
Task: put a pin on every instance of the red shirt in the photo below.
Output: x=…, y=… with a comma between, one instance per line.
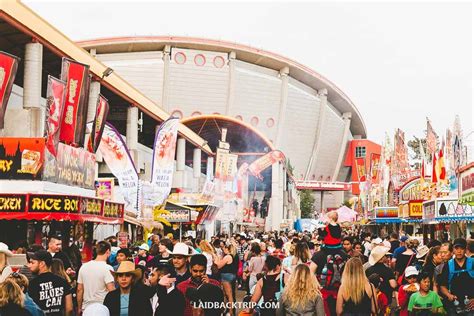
x=279, y=254
x=183, y=286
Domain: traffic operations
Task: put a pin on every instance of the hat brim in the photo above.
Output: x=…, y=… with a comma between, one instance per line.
x=421, y=255
x=137, y=273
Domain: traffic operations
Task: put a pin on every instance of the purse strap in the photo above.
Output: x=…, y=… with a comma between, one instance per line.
x=374, y=300
x=408, y=263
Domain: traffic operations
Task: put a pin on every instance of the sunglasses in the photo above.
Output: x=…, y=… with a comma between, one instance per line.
x=15, y=275
x=124, y=274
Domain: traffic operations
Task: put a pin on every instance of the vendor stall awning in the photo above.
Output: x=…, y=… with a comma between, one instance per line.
x=387, y=220
x=46, y=207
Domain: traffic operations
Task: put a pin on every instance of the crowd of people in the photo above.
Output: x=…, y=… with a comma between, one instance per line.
x=331, y=271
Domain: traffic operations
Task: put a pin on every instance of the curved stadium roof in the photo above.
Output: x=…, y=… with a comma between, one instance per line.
x=244, y=53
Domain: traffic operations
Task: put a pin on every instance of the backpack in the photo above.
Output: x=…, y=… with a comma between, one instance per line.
x=331, y=274
x=452, y=272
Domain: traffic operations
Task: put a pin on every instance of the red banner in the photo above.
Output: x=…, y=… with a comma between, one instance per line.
x=76, y=76
x=99, y=123
x=264, y=162
x=54, y=107
x=374, y=167
x=8, y=68
x=361, y=171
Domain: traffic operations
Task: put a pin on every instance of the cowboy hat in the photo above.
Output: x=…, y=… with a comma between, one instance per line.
x=378, y=253
x=422, y=251
x=144, y=246
x=128, y=267
x=181, y=249
x=4, y=249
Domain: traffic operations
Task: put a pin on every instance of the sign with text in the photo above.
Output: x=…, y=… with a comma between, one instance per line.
x=53, y=203
x=360, y=167
x=21, y=158
x=91, y=206
x=415, y=209
x=13, y=202
x=466, y=186
x=104, y=188
x=112, y=209
x=73, y=166
x=122, y=239
x=55, y=98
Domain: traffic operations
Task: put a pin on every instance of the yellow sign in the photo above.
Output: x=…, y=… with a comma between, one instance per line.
x=416, y=209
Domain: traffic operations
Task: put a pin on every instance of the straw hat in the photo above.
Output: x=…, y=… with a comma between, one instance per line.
x=377, y=253
x=128, y=267
x=4, y=249
x=422, y=251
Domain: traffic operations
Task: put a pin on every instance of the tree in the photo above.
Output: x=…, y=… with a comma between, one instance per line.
x=306, y=204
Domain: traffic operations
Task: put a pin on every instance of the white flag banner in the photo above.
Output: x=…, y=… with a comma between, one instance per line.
x=163, y=159
x=118, y=159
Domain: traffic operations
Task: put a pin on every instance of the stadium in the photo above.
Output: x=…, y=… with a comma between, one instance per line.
x=287, y=105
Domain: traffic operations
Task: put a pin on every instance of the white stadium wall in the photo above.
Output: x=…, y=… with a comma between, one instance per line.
x=215, y=81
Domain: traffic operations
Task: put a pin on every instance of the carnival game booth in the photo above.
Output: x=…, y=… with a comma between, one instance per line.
x=411, y=197
x=176, y=218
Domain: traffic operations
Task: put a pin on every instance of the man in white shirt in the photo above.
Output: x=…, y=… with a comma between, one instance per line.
x=95, y=279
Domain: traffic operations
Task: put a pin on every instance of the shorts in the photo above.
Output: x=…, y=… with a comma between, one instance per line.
x=228, y=277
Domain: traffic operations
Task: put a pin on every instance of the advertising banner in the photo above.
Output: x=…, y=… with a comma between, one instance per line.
x=76, y=76
x=164, y=150
x=72, y=166
x=104, y=188
x=231, y=167
x=91, y=206
x=98, y=124
x=361, y=171
x=221, y=158
x=53, y=203
x=8, y=68
x=13, y=203
x=374, y=167
x=117, y=157
x=55, y=97
x=112, y=210
x=466, y=185
x=122, y=239
x=415, y=209
x=21, y=158
x=208, y=191
x=430, y=138
x=386, y=212
x=264, y=162
x=177, y=216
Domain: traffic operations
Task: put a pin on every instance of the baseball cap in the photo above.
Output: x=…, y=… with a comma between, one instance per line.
x=411, y=270
x=460, y=242
x=41, y=255
x=404, y=238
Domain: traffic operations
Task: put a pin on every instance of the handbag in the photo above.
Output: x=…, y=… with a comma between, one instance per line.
x=402, y=276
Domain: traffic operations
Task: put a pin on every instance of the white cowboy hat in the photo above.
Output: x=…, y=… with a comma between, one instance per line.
x=377, y=253
x=422, y=251
x=144, y=246
x=182, y=249
x=128, y=267
x=411, y=270
x=4, y=249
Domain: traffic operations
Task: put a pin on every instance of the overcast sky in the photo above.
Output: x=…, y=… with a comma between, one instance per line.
x=398, y=62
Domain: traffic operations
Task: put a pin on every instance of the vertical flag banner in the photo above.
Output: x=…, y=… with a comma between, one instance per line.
x=231, y=167
x=164, y=150
x=98, y=124
x=55, y=96
x=440, y=167
x=434, y=171
x=221, y=158
x=76, y=76
x=118, y=159
x=457, y=153
x=264, y=162
x=8, y=68
x=361, y=171
x=374, y=167
x=430, y=138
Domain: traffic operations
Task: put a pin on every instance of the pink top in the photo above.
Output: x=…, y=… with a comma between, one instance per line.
x=256, y=265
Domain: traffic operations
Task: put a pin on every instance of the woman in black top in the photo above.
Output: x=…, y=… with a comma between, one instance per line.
x=406, y=258
x=228, y=267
